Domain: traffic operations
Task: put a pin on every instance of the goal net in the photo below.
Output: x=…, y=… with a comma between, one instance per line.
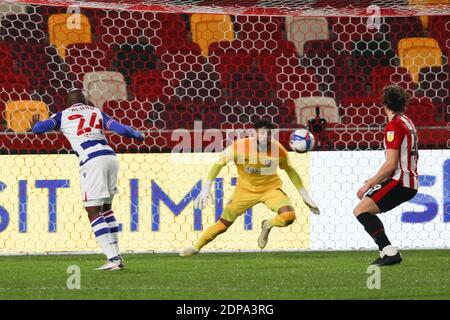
x=193, y=76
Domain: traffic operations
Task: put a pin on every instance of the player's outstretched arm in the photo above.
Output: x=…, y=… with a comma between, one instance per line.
x=121, y=129
x=205, y=194
x=298, y=183
x=47, y=125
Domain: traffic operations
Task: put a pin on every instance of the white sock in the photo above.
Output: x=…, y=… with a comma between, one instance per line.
x=113, y=225
x=390, y=250
x=101, y=231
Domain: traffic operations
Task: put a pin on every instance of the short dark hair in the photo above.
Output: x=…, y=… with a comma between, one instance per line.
x=395, y=98
x=264, y=123
x=76, y=96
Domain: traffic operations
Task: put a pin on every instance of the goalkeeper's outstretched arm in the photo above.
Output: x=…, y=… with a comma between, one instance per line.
x=205, y=193
x=298, y=183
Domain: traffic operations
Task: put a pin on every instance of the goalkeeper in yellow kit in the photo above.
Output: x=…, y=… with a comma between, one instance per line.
x=257, y=160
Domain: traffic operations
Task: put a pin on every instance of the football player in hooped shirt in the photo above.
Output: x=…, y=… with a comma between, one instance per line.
x=83, y=126
x=396, y=181
x=257, y=159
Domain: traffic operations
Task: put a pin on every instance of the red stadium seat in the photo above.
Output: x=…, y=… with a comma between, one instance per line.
x=440, y=30
x=241, y=113
x=54, y=98
x=367, y=111
x=23, y=28
x=229, y=58
x=372, y=53
x=282, y=60
x=265, y=32
x=212, y=117
x=204, y=84
x=337, y=67
x=186, y=66
x=435, y=83
x=299, y=82
x=168, y=30
x=122, y=27
x=27, y=144
x=383, y=76
x=47, y=74
x=323, y=57
x=285, y=73
x=181, y=47
x=39, y=62
x=249, y=85
x=432, y=132
x=423, y=113
x=6, y=59
x=319, y=48
x=352, y=137
x=249, y=47
x=434, y=138
x=129, y=58
x=343, y=65
x=150, y=85
x=84, y=58
x=229, y=62
x=136, y=114
x=13, y=87
x=259, y=27
x=181, y=113
x=347, y=30
x=401, y=27
x=349, y=86
x=14, y=83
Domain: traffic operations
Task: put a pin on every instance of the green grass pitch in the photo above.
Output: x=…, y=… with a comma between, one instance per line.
x=424, y=274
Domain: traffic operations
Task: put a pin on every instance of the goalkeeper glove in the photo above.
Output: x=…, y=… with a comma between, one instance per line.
x=204, y=197
x=308, y=201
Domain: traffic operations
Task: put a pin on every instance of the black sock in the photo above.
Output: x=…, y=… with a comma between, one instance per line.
x=374, y=227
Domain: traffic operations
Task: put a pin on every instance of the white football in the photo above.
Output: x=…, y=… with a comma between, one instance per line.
x=301, y=141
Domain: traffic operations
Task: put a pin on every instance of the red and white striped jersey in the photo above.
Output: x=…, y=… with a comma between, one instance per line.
x=400, y=133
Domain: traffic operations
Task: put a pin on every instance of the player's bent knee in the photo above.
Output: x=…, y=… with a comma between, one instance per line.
x=359, y=209
x=288, y=213
x=288, y=217
x=286, y=209
x=366, y=205
x=93, y=212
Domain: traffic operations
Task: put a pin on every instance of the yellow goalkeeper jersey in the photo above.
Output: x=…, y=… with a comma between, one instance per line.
x=257, y=169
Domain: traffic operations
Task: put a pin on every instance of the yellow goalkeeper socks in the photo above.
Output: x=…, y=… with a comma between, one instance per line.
x=283, y=219
x=210, y=234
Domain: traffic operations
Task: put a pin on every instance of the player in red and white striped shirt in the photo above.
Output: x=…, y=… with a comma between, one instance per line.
x=397, y=180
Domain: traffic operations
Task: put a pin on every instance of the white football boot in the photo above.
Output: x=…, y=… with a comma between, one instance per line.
x=264, y=236
x=112, y=265
x=189, y=252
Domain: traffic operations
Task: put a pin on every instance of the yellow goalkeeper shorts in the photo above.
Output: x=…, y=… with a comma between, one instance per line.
x=242, y=200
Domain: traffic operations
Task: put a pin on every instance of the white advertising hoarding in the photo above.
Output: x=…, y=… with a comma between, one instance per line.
x=424, y=222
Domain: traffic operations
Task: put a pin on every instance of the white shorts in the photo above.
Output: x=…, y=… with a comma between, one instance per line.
x=98, y=180
x=97, y=202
